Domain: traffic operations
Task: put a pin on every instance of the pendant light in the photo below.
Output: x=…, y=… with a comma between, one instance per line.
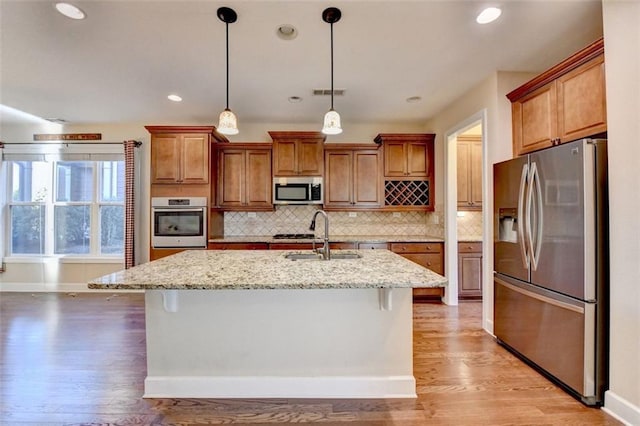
x=331, y=125
x=228, y=123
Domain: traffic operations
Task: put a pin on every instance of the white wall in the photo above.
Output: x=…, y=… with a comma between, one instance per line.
x=622, y=58
x=488, y=95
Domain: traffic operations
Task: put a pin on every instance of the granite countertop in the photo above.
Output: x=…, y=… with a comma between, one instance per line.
x=333, y=239
x=269, y=269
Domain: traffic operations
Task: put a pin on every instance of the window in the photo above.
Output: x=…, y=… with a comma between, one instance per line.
x=71, y=208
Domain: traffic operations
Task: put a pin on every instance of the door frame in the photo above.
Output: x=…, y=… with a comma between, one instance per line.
x=451, y=207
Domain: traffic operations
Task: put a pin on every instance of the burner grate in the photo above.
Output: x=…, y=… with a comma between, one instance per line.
x=293, y=236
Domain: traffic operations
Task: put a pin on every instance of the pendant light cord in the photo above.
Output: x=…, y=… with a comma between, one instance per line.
x=227, y=27
x=331, y=65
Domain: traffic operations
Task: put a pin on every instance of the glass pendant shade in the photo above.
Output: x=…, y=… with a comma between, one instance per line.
x=332, y=124
x=228, y=124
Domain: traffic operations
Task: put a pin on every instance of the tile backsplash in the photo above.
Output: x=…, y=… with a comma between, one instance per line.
x=470, y=225
x=296, y=219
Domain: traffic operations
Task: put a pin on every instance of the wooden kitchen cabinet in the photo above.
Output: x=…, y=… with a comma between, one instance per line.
x=409, y=175
x=407, y=155
x=429, y=255
x=469, y=172
x=469, y=270
x=565, y=103
x=244, y=177
x=298, y=153
x=353, y=177
x=180, y=155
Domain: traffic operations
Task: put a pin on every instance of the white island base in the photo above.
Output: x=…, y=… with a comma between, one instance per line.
x=306, y=343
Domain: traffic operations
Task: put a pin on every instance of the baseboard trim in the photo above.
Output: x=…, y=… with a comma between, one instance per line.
x=280, y=387
x=621, y=409
x=56, y=288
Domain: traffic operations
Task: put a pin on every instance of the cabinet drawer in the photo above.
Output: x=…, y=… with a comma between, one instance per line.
x=432, y=261
x=339, y=245
x=370, y=246
x=474, y=247
x=238, y=246
x=293, y=246
x=416, y=247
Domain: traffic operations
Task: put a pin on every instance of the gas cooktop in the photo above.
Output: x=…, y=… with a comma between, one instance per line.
x=293, y=236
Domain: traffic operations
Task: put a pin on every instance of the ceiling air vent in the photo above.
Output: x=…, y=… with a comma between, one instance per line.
x=57, y=120
x=327, y=92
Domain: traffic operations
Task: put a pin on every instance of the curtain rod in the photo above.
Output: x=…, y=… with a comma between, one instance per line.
x=137, y=143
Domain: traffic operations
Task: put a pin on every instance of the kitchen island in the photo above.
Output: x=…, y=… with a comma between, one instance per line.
x=258, y=324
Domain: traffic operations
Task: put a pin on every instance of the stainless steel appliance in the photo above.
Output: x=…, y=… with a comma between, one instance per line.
x=551, y=263
x=179, y=222
x=297, y=190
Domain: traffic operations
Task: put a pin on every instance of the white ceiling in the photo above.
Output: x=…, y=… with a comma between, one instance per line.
x=120, y=63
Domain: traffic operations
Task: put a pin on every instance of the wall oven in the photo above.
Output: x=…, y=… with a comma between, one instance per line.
x=179, y=222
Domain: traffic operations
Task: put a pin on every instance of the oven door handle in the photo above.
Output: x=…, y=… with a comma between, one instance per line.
x=177, y=209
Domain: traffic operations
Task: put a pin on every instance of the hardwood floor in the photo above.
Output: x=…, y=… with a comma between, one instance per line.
x=80, y=359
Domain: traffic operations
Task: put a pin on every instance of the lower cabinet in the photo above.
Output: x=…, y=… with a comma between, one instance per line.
x=429, y=255
x=469, y=270
x=238, y=246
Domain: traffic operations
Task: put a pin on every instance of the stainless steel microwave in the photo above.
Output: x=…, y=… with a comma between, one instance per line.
x=297, y=190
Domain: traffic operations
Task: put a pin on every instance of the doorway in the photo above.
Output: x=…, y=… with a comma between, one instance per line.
x=465, y=213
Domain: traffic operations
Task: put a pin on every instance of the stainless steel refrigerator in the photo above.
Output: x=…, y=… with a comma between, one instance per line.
x=551, y=263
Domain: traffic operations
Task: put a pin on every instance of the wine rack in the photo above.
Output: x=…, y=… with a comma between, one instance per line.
x=406, y=192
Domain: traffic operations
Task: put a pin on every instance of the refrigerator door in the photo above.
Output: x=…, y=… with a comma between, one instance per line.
x=555, y=332
x=560, y=205
x=509, y=189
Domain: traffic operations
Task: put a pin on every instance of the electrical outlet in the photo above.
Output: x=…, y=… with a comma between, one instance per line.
x=251, y=214
x=353, y=214
x=396, y=214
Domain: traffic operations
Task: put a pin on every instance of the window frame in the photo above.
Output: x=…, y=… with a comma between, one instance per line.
x=95, y=245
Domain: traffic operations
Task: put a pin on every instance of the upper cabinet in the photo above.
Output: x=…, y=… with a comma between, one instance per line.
x=244, y=177
x=565, y=103
x=469, y=172
x=180, y=155
x=353, y=177
x=297, y=153
x=409, y=176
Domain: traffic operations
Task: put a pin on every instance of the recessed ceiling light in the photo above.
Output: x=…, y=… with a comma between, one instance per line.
x=174, y=98
x=295, y=99
x=287, y=32
x=70, y=11
x=490, y=14
x=414, y=99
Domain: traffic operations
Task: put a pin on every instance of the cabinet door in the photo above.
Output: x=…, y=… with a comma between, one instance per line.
x=367, y=178
x=469, y=275
x=231, y=171
x=338, y=179
x=417, y=160
x=535, y=120
x=284, y=158
x=395, y=159
x=310, y=157
x=463, y=160
x=258, y=178
x=582, y=109
x=165, y=152
x=195, y=159
x=475, y=177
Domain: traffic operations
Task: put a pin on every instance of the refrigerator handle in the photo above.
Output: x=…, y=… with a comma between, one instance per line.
x=534, y=184
x=521, y=215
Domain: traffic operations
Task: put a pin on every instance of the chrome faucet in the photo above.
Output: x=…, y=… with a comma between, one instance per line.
x=326, y=254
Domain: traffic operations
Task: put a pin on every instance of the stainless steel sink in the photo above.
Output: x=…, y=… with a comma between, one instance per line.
x=318, y=256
